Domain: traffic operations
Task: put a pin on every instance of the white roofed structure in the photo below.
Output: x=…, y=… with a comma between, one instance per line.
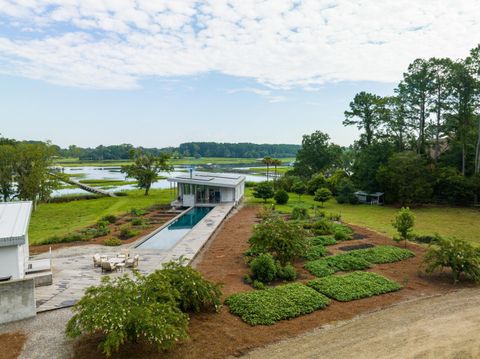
x=207, y=188
x=14, y=221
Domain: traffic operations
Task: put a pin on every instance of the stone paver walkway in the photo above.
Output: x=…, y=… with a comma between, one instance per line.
x=73, y=269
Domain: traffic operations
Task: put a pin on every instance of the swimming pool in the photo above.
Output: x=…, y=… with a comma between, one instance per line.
x=170, y=235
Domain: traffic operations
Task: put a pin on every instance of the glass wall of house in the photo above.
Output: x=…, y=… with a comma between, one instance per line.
x=203, y=194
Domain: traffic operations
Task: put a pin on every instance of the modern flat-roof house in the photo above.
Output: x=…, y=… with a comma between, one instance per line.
x=14, y=221
x=206, y=189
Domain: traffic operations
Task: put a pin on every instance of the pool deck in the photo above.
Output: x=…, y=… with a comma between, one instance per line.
x=73, y=269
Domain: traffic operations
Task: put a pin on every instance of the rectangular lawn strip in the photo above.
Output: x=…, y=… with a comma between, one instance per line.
x=340, y=262
x=265, y=307
x=382, y=254
x=356, y=285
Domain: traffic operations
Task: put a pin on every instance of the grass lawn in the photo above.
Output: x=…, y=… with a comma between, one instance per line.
x=75, y=162
x=61, y=218
x=462, y=223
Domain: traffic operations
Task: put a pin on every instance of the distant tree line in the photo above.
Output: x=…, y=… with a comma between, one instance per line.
x=420, y=145
x=190, y=149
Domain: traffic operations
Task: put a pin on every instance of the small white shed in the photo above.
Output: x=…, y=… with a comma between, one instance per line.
x=14, y=221
x=207, y=189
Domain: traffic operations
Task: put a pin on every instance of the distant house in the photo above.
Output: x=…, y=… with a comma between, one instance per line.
x=369, y=198
x=206, y=189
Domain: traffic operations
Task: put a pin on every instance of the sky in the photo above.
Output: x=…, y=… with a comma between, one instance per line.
x=157, y=73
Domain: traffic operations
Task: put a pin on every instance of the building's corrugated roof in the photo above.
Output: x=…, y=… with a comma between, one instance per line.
x=210, y=179
x=14, y=219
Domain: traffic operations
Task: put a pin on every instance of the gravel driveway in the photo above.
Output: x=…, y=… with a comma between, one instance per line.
x=445, y=326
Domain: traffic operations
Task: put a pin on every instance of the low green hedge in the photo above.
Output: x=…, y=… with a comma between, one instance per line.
x=265, y=307
x=340, y=262
x=383, y=254
x=353, y=286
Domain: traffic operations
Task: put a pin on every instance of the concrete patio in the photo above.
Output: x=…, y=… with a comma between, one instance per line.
x=73, y=269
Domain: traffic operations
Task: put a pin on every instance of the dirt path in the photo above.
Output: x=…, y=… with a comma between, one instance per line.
x=445, y=326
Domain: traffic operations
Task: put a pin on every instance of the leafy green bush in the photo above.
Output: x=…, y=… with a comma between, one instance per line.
x=281, y=197
x=196, y=293
x=353, y=286
x=322, y=227
x=122, y=311
x=288, y=272
x=322, y=195
x=247, y=279
x=346, y=192
x=112, y=242
x=263, y=190
x=382, y=254
x=126, y=232
x=315, y=252
x=323, y=240
x=342, y=235
x=102, y=224
x=138, y=221
x=110, y=218
x=340, y=262
x=283, y=240
x=263, y=268
x=137, y=212
x=273, y=304
x=334, y=217
x=258, y=285
x=458, y=255
x=299, y=214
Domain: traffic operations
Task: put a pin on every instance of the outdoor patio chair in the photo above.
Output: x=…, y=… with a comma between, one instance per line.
x=132, y=262
x=125, y=253
x=108, y=266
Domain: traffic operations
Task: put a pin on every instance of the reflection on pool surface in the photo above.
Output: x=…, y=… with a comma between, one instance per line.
x=175, y=231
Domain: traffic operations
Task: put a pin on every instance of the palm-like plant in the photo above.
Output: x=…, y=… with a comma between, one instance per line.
x=267, y=161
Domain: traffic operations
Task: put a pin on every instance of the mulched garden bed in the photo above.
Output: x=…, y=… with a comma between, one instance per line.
x=356, y=246
x=224, y=334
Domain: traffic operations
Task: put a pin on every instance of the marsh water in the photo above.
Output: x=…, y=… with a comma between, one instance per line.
x=115, y=174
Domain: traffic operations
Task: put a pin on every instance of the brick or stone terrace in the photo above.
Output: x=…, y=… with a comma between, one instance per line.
x=73, y=269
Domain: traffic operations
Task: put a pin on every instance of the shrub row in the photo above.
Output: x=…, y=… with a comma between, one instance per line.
x=353, y=286
x=323, y=240
x=268, y=306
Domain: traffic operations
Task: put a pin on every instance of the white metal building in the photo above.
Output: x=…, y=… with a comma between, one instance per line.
x=205, y=188
x=14, y=221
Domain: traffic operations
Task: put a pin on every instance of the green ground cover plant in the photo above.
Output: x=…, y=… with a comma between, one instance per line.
x=323, y=240
x=352, y=286
x=315, y=252
x=382, y=254
x=340, y=262
x=265, y=307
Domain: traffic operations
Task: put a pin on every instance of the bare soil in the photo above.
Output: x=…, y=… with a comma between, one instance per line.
x=221, y=335
x=11, y=345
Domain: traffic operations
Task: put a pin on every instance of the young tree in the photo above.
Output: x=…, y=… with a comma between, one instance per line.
x=367, y=112
x=146, y=168
x=263, y=190
x=322, y=195
x=403, y=223
x=299, y=188
x=473, y=65
x=275, y=164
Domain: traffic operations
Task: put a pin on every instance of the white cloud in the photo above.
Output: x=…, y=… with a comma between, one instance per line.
x=279, y=43
x=268, y=94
